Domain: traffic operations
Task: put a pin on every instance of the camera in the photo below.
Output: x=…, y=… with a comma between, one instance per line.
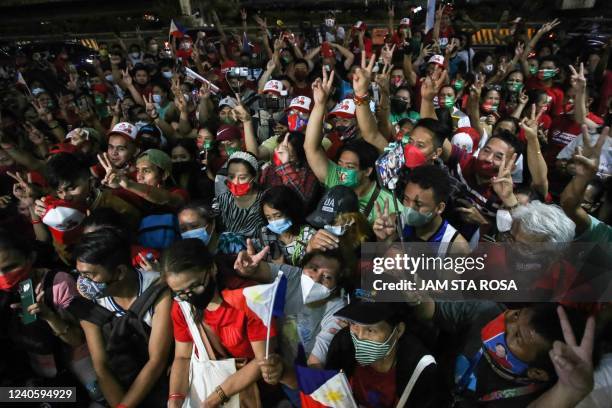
x=238, y=72
x=273, y=104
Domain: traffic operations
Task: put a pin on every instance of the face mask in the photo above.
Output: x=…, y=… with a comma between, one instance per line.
x=208, y=144
x=228, y=120
x=503, y=219
x=153, y=48
x=199, y=233
x=488, y=68
x=36, y=91
x=167, y=74
x=458, y=84
x=296, y=122
x=287, y=59
x=279, y=226
x=229, y=150
x=568, y=108
x=313, y=291
x=514, y=86
x=493, y=337
x=397, y=82
x=347, y=132
x=157, y=98
x=98, y=100
x=414, y=218
x=90, y=289
x=103, y=53
x=239, y=189
x=449, y=102
x=187, y=97
x=486, y=169
x=398, y=105
x=140, y=124
x=367, y=351
x=348, y=177
x=330, y=22
x=135, y=55
x=8, y=281
x=109, y=78
x=201, y=300
x=300, y=75
x=489, y=107
x=545, y=74
x=337, y=230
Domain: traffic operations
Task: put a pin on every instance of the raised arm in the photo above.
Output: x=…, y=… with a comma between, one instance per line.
x=535, y=159
x=539, y=34
x=365, y=118
x=429, y=89
x=315, y=155
x=578, y=82
x=241, y=113
x=348, y=55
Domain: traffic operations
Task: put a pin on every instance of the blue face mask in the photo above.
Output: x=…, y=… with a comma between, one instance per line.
x=90, y=289
x=199, y=233
x=279, y=226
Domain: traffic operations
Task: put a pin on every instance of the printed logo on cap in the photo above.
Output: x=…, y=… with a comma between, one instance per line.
x=345, y=108
x=301, y=103
x=62, y=215
x=328, y=205
x=405, y=21
x=126, y=129
x=437, y=59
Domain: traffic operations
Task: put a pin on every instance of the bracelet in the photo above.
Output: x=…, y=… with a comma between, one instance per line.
x=221, y=394
x=176, y=395
x=34, y=222
x=361, y=100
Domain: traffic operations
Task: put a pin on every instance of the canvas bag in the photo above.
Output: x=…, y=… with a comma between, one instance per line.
x=205, y=374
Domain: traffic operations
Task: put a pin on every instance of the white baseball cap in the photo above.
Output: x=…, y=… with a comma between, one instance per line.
x=274, y=86
x=301, y=103
x=436, y=59
x=228, y=101
x=344, y=109
x=405, y=22
x=125, y=129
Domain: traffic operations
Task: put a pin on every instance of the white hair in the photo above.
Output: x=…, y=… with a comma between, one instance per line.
x=545, y=220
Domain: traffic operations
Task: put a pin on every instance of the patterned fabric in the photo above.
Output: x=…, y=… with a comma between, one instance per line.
x=301, y=179
x=242, y=221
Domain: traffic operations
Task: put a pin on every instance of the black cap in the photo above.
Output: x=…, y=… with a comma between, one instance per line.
x=337, y=200
x=363, y=312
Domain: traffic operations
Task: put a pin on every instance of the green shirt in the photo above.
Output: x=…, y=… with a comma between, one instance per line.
x=598, y=232
x=332, y=180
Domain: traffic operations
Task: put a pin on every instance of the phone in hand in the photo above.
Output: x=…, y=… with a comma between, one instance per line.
x=26, y=294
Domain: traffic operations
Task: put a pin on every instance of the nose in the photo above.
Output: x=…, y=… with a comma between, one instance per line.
x=357, y=331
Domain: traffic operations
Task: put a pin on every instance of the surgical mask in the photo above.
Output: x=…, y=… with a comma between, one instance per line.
x=348, y=177
x=503, y=219
x=488, y=68
x=347, y=132
x=397, y=81
x=135, y=55
x=109, y=78
x=98, y=100
x=545, y=74
x=449, y=102
x=300, y=75
x=337, y=230
x=36, y=91
x=279, y=226
x=157, y=98
x=494, y=343
x=90, y=289
x=514, y=86
x=313, y=291
x=198, y=233
x=368, y=351
x=167, y=74
x=208, y=144
x=239, y=189
x=415, y=218
x=458, y=84
x=228, y=120
x=398, y=105
x=9, y=280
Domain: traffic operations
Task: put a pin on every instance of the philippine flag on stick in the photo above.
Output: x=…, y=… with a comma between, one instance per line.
x=176, y=30
x=324, y=388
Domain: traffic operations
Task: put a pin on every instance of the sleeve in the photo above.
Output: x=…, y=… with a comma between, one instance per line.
x=64, y=290
x=179, y=324
x=329, y=327
x=598, y=232
x=454, y=316
x=331, y=178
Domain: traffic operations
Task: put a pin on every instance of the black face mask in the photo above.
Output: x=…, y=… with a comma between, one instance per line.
x=398, y=105
x=182, y=167
x=201, y=300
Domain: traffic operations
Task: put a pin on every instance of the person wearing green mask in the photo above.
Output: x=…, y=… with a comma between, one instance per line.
x=356, y=160
x=226, y=105
x=545, y=80
x=515, y=82
x=424, y=192
x=447, y=99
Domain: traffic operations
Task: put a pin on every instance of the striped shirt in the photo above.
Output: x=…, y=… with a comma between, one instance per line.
x=244, y=221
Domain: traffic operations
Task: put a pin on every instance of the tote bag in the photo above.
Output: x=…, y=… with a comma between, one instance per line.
x=205, y=374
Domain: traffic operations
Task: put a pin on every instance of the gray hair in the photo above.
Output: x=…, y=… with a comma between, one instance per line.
x=544, y=220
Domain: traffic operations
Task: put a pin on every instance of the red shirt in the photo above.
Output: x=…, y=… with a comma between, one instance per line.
x=235, y=324
x=556, y=94
x=372, y=388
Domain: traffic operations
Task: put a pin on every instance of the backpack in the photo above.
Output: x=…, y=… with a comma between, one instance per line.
x=158, y=231
x=126, y=337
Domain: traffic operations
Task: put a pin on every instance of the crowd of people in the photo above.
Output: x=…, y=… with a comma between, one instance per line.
x=139, y=201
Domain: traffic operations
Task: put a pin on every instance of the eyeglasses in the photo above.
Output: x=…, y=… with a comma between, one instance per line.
x=187, y=293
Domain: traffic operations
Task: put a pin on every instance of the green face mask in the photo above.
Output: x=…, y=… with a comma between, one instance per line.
x=367, y=351
x=449, y=102
x=208, y=144
x=547, y=73
x=348, y=177
x=533, y=70
x=414, y=218
x=458, y=84
x=514, y=86
x=228, y=120
x=231, y=150
x=98, y=100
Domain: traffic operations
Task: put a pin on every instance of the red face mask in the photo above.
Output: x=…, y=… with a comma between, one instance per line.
x=239, y=189
x=9, y=280
x=489, y=107
x=486, y=169
x=276, y=160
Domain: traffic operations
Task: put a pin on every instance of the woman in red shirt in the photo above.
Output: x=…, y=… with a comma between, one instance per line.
x=232, y=329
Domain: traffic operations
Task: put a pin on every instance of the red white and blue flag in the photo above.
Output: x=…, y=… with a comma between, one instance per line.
x=324, y=388
x=176, y=30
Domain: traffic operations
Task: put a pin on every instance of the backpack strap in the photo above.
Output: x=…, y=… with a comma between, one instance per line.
x=85, y=309
x=48, y=288
x=423, y=363
x=368, y=208
x=145, y=301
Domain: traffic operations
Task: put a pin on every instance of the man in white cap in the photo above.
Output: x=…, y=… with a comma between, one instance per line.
x=271, y=108
x=121, y=149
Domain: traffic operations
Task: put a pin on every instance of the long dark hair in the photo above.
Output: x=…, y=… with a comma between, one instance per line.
x=287, y=201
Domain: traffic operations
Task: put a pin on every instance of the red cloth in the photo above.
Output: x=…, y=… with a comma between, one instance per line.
x=557, y=95
x=372, y=388
x=236, y=327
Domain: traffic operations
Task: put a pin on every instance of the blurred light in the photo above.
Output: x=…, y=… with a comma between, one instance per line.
x=416, y=10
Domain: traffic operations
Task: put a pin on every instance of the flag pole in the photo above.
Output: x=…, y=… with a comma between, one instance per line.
x=269, y=319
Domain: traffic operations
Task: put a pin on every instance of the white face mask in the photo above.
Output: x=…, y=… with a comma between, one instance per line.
x=313, y=291
x=157, y=98
x=187, y=97
x=167, y=74
x=135, y=55
x=503, y=219
x=337, y=230
x=109, y=78
x=330, y=22
x=140, y=124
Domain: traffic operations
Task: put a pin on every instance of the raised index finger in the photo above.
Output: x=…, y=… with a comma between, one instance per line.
x=568, y=333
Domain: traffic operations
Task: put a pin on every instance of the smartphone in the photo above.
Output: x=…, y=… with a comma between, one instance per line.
x=26, y=293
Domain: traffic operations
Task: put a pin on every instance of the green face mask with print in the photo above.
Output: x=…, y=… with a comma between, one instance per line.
x=348, y=177
x=449, y=102
x=514, y=86
x=231, y=150
x=228, y=120
x=533, y=70
x=458, y=84
x=208, y=144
